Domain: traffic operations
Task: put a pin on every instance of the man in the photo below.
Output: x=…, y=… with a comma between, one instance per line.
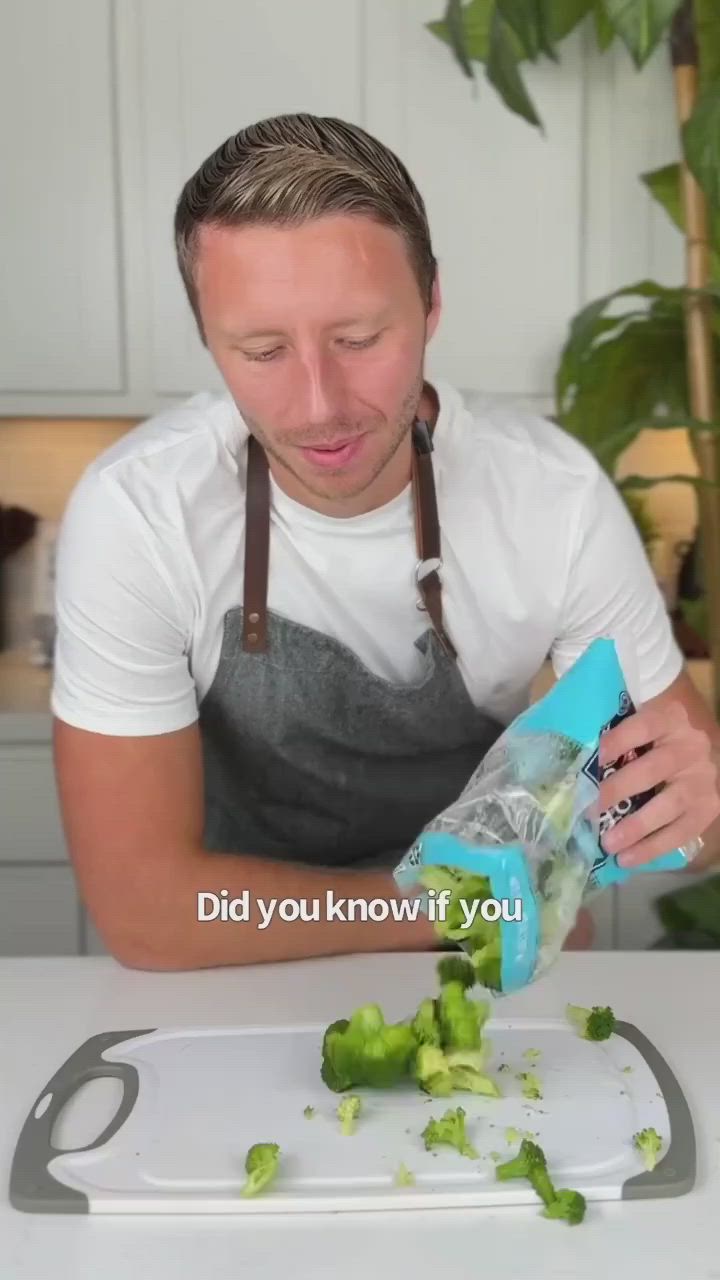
x=293, y=618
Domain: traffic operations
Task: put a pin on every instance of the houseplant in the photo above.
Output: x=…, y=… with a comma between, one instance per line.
x=646, y=357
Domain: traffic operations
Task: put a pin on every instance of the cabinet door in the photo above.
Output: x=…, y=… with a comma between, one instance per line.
x=504, y=201
x=39, y=912
x=31, y=827
x=207, y=71
x=60, y=322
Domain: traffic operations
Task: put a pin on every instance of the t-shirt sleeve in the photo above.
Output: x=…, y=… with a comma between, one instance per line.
x=611, y=590
x=121, y=645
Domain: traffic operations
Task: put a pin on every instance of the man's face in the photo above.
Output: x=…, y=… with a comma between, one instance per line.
x=319, y=332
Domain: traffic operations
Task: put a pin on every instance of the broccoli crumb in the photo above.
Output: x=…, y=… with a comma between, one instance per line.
x=627, y=1069
x=532, y=1088
x=348, y=1111
x=513, y=1135
x=308, y=1112
x=530, y=1054
x=403, y=1177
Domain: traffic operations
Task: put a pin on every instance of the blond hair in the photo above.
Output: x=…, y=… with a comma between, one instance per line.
x=289, y=169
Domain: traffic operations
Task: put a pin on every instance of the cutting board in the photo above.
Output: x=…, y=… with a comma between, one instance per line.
x=194, y=1099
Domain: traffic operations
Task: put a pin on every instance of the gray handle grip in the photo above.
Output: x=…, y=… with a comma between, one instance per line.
x=674, y=1174
x=32, y=1188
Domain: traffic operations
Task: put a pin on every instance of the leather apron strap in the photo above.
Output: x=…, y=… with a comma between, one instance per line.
x=257, y=541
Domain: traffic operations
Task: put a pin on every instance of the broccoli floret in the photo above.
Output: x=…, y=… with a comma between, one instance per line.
x=532, y=1088
x=597, y=1023
x=461, y=1018
x=529, y=1163
x=567, y=1204
x=467, y=1072
x=347, y=1112
x=365, y=1050
x=649, y=1145
x=425, y=1025
x=456, y=968
x=449, y=1130
x=481, y=939
x=261, y=1165
x=487, y=962
x=432, y=1071
x=403, y=1177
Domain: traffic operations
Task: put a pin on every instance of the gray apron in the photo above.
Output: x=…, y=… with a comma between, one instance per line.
x=308, y=755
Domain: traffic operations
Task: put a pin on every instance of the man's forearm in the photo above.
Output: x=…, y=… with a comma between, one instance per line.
x=167, y=934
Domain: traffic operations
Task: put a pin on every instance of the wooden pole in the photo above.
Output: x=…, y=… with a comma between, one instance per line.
x=699, y=334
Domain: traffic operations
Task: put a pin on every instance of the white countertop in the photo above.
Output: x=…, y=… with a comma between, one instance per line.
x=50, y=1006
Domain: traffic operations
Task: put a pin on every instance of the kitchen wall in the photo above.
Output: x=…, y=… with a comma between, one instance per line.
x=129, y=97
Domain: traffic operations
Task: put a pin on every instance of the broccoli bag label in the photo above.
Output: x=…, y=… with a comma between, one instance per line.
x=597, y=775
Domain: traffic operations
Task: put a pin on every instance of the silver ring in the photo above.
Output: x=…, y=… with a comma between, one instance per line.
x=692, y=849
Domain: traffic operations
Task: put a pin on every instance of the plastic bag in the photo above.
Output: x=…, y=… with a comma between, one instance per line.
x=504, y=869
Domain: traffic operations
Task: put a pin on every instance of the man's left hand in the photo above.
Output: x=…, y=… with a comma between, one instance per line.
x=681, y=760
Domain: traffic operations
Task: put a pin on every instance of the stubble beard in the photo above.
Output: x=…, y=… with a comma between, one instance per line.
x=314, y=485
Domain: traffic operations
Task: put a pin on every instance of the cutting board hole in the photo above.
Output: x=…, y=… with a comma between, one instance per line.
x=87, y=1113
x=43, y=1105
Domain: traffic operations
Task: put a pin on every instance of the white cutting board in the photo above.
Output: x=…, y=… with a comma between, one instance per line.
x=195, y=1100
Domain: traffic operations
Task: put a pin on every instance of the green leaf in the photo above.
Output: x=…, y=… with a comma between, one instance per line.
x=619, y=380
x=456, y=30
x=604, y=29
x=664, y=185
x=641, y=24
x=701, y=141
x=527, y=19
x=707, y=28
x=648, y=482
x=476, y=20
x=590, y=323
x=502, y=71
x=563, y=16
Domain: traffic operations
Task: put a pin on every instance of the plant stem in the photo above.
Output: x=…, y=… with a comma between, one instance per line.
x=699, y=333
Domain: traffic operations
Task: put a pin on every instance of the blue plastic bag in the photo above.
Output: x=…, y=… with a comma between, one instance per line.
x=526, y=832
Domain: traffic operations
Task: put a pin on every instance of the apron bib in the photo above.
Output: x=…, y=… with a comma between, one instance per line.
x=308, y=755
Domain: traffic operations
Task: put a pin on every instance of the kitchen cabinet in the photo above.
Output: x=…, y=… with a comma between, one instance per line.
x=39, y=911
x=31, y=828
x=61, y=265
x=39, y=907
x=206, y=72
x=129, y=96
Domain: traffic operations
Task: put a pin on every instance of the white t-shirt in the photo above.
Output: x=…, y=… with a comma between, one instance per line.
x=539, y=557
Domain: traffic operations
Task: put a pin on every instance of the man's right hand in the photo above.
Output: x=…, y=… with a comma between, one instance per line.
x=133, y=814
